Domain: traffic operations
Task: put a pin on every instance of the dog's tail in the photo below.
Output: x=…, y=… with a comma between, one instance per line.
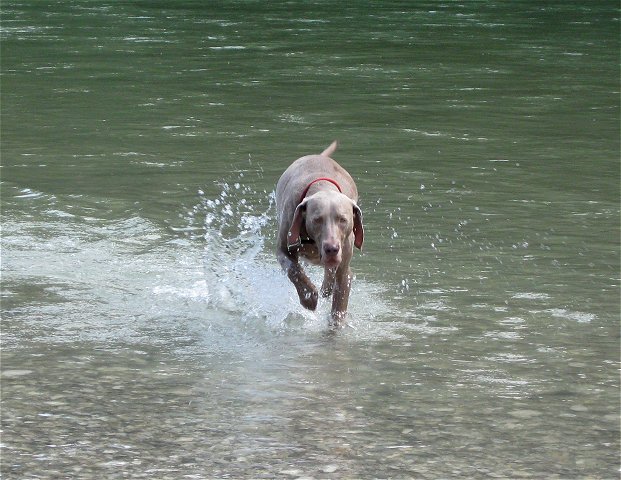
x=330, y=150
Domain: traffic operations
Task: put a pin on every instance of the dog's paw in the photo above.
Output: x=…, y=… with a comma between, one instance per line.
x=309, y=298
x=326, y=291
x=338, y=320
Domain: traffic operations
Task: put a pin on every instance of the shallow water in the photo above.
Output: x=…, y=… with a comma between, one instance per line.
x=147, y=331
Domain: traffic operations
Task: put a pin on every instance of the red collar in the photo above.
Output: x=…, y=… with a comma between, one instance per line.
x=322, y=179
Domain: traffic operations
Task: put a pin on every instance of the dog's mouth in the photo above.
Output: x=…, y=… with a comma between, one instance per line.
x=330, y=261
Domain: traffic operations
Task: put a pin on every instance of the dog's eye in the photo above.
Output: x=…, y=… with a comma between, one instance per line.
x=318, y=220
x=342, y=220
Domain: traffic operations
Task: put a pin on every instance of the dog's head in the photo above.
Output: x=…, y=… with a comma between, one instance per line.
x=332, y=220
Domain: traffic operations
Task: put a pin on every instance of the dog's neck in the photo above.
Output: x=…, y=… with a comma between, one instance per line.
x=322, y=179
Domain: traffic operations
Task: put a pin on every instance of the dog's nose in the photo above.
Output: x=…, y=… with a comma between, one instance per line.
x=331, y=248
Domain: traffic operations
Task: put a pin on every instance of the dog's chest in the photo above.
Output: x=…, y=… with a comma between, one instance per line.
x=309, y=251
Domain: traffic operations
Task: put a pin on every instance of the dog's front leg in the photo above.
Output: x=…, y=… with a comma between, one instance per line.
x=307, y=292
x=342, y=287
x=327, y=286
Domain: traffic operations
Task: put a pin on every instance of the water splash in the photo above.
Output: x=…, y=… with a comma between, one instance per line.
x=242, y=274
x=240, y=270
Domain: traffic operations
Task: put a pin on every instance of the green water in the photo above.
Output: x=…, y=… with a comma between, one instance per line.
x=147, y=331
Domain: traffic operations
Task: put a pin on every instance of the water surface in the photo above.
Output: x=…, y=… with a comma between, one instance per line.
x=147, y=331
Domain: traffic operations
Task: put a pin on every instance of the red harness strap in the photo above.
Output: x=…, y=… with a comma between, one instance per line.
x=322, y=179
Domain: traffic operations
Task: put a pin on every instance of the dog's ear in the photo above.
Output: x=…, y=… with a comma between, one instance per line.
x=293, y=236
x=358, y=228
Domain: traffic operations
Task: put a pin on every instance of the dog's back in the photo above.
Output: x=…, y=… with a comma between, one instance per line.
x=302, y=172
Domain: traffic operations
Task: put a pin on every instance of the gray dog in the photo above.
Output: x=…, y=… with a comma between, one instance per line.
x=319, y=220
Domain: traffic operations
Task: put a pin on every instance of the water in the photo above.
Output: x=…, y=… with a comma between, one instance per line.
x=147, y=331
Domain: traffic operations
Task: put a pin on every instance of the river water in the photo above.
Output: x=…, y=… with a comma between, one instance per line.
x=147, y=331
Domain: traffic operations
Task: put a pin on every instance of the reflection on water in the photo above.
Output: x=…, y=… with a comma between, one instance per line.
x=147, y=331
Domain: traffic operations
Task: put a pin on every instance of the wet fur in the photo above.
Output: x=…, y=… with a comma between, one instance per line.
x=322, y=228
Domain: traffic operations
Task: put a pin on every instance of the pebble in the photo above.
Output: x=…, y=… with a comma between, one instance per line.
x=578, y=408
x=15, y=373
x=330, y=468
x=524, y=413
x=293, y=472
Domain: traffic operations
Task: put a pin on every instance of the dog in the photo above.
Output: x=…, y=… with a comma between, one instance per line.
x=319, y=220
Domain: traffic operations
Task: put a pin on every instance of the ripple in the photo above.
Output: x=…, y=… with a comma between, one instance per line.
x=28, y=193
x=580, y=317
x=228, y=47
x=531, y=296
x=148, y=40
